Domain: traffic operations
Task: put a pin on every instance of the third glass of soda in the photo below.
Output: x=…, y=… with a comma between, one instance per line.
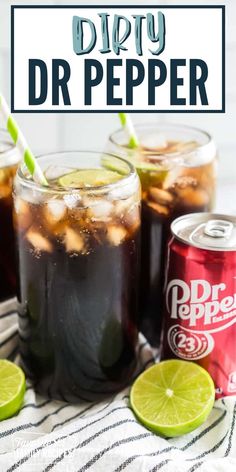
x=9, y=158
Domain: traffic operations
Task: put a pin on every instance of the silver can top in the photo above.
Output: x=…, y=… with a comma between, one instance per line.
x=213, y=232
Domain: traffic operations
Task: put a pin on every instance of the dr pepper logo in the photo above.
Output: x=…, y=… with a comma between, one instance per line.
x=200, y=305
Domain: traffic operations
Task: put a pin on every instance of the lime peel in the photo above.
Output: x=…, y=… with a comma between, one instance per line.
x=11, y=393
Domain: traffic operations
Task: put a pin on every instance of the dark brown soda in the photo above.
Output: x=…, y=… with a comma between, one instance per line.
x=192, y=191
x=7, y=240
x=78, y=317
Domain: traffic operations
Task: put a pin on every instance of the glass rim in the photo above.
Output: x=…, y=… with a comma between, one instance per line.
x=177, y=126
x=65, y=190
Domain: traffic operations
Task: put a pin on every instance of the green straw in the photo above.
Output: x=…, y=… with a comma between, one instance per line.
x=21, y=144
x=129, y=127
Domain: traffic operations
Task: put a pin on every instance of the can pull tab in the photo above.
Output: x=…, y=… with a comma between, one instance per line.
x=219, y=229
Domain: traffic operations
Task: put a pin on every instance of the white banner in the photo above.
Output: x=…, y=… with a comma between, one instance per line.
x=163, y=59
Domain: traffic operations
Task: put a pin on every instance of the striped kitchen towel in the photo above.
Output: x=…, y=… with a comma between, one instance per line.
x=55, y=436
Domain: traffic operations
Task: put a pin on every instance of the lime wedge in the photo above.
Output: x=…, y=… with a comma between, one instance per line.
x=84, y=178
x=12, y=388
x=150, y=178
x=147, y=166
x=149, y=174
x=122, y=168
x=114, y=164
x=173, y=397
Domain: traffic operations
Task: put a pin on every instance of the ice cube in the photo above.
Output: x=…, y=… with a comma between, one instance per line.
x=132, y=217
x=54, y=211
x=33, y=196
x=172, y=175
x=116, y=234
x=122, y=192
x=194, y=197
x=39, y=242
x=23, y=213
x=72, y=200
x=122, y=206
x=184, y=146
x=20, y=206
x=185, y=181
x=160, y=196
x=102, y=210
x=73, y=241
x=160, y=209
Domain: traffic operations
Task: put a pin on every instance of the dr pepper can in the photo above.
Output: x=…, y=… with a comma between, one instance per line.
x=200, y=296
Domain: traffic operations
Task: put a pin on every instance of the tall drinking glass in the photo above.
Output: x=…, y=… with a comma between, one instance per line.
x=177, y=168
x=9, y=158
x=78, y=243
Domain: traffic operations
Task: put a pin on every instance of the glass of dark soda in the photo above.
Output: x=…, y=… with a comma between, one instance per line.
x=177, y=168
x=9, y=158
x=78, y=247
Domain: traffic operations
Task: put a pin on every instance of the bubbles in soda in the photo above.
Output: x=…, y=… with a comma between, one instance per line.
x=179, y=185
x=79, y=274
x=7, y=242
x=177, y=169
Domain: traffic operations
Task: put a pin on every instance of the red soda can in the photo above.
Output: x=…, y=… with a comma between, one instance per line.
x=200, y=296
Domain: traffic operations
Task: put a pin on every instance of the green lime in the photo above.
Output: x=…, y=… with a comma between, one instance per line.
x=12, y=388
x=173, y=397
x=114, y=164
x=150, y=174
x=84, y=178
x=150, y=177
x=147, y=166
x=122, y=168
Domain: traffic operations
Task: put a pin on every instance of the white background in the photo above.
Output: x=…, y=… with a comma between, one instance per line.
x=190, y=33
x=48, y=132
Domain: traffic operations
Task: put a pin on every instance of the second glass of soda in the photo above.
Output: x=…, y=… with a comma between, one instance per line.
x=177, y=168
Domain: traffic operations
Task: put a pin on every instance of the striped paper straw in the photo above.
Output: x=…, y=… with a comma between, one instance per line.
x=129, y=127
x=21, y=144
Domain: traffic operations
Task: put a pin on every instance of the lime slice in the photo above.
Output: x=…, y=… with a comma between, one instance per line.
x=121, y=167
x=147, y=166
x=150, y=174
x=173, y=397
x=84, y=178
x=12, y=388
x=151, y=177
x=115, y=165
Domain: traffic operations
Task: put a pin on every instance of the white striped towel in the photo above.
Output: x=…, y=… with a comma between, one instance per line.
x=55, y=436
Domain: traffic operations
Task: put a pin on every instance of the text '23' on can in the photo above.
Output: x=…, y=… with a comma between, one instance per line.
x=200, y=296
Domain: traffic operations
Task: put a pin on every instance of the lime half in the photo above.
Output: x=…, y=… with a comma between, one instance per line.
x=84, y=178
x=173, y=397
x=12, y=388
